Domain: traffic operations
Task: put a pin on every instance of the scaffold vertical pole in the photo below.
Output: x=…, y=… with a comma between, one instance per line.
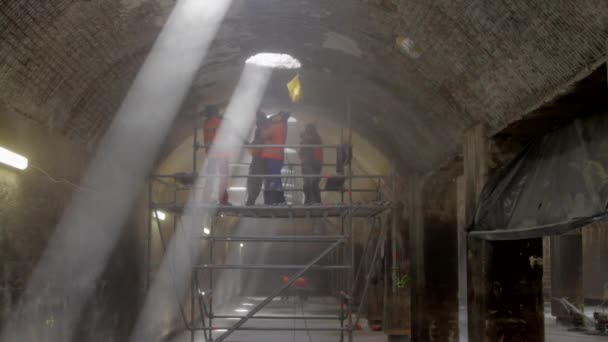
x=350, y=224
x=194, y=149
x=149, y=237
x=211, y=262
x=192, y=305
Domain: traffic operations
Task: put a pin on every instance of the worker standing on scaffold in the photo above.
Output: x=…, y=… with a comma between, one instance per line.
x=312, y=163
x=275, y=133
x=217, y=158
x=257, y=166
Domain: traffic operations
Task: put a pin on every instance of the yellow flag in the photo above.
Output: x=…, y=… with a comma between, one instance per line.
x=295, y=90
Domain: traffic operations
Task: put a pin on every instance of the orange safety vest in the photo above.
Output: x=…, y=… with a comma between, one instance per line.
x=210, y=129
x=274, y=134
x=318, y=154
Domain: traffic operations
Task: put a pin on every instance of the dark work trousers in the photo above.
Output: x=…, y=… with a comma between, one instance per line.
x=273, y=186
x=312, y=192
x=254, y=185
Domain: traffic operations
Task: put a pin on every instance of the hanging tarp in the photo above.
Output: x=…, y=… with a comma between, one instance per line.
x=556, y=184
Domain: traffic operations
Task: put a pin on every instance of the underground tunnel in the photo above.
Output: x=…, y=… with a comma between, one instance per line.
x=425, y=170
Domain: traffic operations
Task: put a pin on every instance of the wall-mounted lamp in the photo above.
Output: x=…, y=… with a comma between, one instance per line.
x=12, y=159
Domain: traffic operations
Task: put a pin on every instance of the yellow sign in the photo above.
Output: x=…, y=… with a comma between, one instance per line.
x=295, y=89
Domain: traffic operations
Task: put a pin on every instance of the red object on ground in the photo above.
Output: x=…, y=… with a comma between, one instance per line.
x=376, y=327
x=300, y=283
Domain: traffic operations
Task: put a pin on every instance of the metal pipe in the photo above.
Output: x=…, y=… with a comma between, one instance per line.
x=299, y=238
x=194, y=149
x=231, y=329
x=282, y=317
x=201, y=302
x=280, y=290
x=284, y=165
x=168, y=175
x=268, y=267
x=192, y=331
x=379, y=244
x=249, y=146
x=149, y=238
x=211, y=286
x=275, y=208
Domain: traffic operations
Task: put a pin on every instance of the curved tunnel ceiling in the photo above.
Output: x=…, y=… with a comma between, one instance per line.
x=66, y=63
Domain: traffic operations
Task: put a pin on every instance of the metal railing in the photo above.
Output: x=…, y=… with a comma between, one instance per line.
x=340, y=250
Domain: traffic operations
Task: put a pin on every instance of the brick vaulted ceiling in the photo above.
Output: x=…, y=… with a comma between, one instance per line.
x=68, y=64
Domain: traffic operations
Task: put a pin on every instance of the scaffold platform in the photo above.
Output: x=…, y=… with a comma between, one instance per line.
x=361, y=210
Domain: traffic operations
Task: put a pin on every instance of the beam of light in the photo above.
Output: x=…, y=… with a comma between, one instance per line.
x=237, y=188
x=92, y=222
x=160, y=215
x=274, y=60
x=172, y=279
x=12, y=159
x=241, y=310
x=206, y=231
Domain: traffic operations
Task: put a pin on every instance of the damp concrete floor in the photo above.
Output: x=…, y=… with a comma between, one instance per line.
x=327, y=306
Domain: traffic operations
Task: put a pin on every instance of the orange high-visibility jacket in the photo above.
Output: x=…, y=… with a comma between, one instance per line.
x=274, y=134
x=318, y=154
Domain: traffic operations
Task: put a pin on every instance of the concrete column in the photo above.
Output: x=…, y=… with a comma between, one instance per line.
x=434, y=245
x=595, y=262
x=504, y=278
x=475, y=159
x=398, y=279
x=416, y=223
x=566, y=271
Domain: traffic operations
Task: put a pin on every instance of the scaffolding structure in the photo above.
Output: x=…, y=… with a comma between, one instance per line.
x=340, y=248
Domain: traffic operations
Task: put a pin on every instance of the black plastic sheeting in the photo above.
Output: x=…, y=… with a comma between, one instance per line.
x=556, y=184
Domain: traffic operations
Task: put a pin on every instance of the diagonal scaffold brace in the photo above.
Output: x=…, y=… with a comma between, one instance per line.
x=278, y=292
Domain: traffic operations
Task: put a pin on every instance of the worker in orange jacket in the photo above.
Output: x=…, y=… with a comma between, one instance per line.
x=275, y=133
x=257, y=166
x=312, y=163
x=217, y=159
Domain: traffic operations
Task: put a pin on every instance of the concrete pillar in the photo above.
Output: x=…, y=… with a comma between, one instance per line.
x=475, y=159
x=398, y=279
x=504, y=278
x=566, y=271
x=435, y=292
x=416, y=252
x=595, y=262
x=462, y=259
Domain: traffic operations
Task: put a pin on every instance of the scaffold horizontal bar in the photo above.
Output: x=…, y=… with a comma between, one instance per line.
x=270, y=329
x=319, y=318
x=248, y=146
x=284, y=164
x=176, y=175
x=292, y=238
x=277, y=211
x=270, y=267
